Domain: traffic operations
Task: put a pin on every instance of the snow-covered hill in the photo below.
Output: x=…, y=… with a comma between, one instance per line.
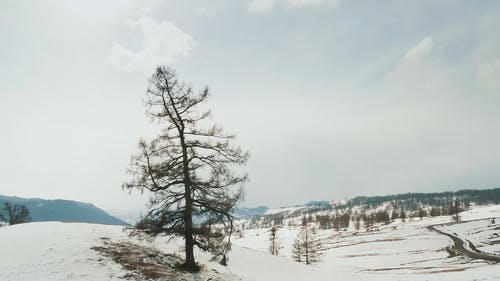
x=397, y=251
x=74, y=251
x=63, y=251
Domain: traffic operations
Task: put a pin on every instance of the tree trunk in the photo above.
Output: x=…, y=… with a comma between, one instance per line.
x=307, y=247
x=188, y=213
x=190, y=263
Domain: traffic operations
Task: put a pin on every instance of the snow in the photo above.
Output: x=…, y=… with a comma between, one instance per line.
x=259, y=266
x=62, y=251
x=398, y=251
x=273, y=211
x=54, y=251
x=478, y=229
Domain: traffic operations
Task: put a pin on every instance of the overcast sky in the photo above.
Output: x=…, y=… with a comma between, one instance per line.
x=333, y=98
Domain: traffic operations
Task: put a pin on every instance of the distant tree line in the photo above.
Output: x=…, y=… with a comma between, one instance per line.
x=365, y=215
x=413, y=200
x=380, y=209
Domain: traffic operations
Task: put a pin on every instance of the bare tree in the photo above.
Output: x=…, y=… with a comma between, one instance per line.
x=274, y=241
x=16, y=213
x=455, y=210
x=402, y=214
x=306, y=247
x=422, y=213
x=187, y=169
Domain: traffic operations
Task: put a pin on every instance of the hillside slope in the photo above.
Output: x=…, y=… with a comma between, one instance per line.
x=395, y=251
x=62, y=210
x=74, y=251
x=63, y=251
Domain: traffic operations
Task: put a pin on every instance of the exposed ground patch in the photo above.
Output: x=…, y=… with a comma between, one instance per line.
x=419, y=269
x=361, y=255
x=335, y=245
x=145, y=263
x=458, y=269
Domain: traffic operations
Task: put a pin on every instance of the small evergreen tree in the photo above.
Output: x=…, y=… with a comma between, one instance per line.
x=382, y=217
x=367, y=221
x=306, y=247
x=304, y=220
x=345, y=218
x=274, y=242
x=297, y=251
x=403, y=214
x=323, y=221
x=435, y=211
x=357, y=224
x=422, y=213
x=394, y=215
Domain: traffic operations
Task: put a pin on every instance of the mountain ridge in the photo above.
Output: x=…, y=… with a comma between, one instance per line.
x=62, y=210
x=411, y=200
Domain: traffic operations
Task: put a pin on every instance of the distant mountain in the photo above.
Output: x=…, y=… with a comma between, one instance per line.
x=317, y=203
x=263, y=210
x=62, y=210
x=130, y=216
x=248, y=212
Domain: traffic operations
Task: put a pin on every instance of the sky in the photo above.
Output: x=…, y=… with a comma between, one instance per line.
x=332, y=98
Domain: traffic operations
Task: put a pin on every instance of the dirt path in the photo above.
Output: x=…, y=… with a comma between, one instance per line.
x=461, y=249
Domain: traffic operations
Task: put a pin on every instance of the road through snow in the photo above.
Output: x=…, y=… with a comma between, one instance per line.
x=460, y=246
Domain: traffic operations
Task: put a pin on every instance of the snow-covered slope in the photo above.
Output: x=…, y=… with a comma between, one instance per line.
x=63, y=251
x=398, y=251
x=55, y=251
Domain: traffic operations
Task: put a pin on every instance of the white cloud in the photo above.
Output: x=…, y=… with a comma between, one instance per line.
x=205, y=12
x=420, y=50
x=489, y=73
x=264, y=6
x=303, y=3
x=162, y=43
x=260, y=6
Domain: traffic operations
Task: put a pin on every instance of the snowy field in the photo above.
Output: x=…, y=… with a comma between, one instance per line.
x=483, y=235
x=409, y=251
x=398, y=251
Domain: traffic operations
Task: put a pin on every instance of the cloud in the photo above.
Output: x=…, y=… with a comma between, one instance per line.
x=303, y=3
x=205, y=12
x=264, y=6
x=489, y=73
x=260, y=6
x=421, y=74
x=162, y=43
x=420, y=50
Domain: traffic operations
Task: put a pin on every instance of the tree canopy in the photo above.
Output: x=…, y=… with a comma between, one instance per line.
x=16, y=213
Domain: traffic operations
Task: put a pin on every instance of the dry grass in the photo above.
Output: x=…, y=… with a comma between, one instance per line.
x=361, y=255
x=400, y=268
x=422, y=261
x=349, y=244
x=420, y=269
x=141, y=262
x=458, y=269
